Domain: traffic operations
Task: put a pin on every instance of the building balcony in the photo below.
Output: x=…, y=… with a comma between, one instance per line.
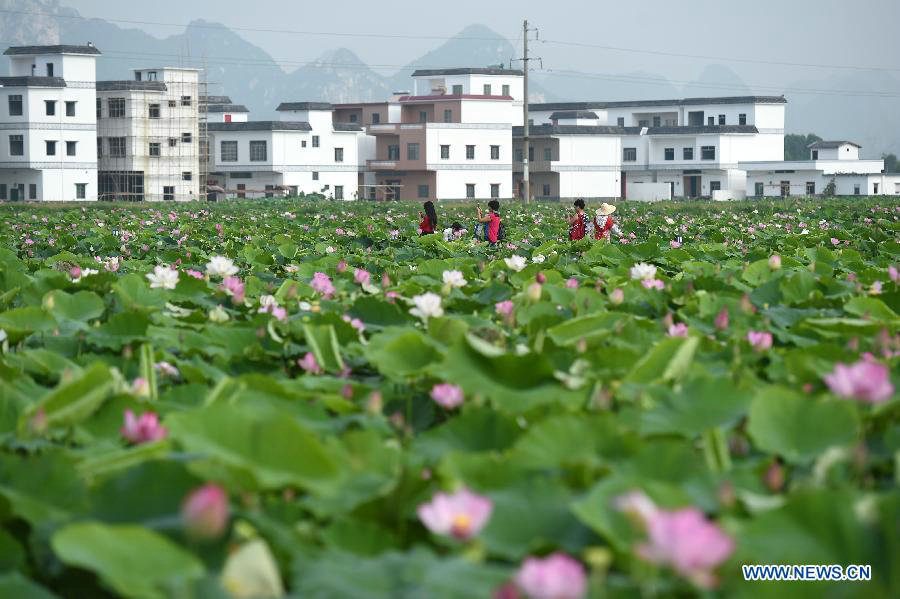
x=381, y=165
x=394, y=128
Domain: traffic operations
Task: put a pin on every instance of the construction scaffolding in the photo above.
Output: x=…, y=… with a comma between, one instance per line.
x=152, y=136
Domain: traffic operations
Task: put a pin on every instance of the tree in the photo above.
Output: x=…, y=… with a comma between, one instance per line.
x=891, y=164
x=796, y=146
x=829, y=189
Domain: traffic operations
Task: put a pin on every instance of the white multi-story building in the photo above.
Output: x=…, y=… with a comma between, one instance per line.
x=834, y=167
x=693, y=145
x=449, y=139
x=48, y=149
x=220, y=109
x=304, y=152
x=148, y=136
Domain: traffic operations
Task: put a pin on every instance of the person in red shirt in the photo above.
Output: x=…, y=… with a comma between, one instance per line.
x=492, y=221
x=604, y=225
x=578, y=222
x=429, y=219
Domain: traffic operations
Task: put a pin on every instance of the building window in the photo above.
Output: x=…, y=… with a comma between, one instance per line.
x=173, y=142
x=546, y=190
x=168, y=193
x=457, y=90
x=185, y=100
x=669, y=153
x=495, y=190
x=448, y=115
x=32, y=191
x=687, y=153
x=505, y=90
x=875, y=189
x=656, y=121
x=99, y=147
x=116, y=146
x=173, y=103
x=228, y=150
x=376, y=118
x=393, y=152
x=315, y=141
x=715, y=186
x=99, y=107
x=240, y=190
x=151, y=76
x=856, y=190
x=115, y=107
x=815, y=154
x=530, y=153
x=154, y=111
x=423, y=116
x=629, y=154
x=711, y=121
x=185, y=138
x=495, y=152
x=186, y=176
x=487, y=89
x=785, y=189
x=70, y=108
x=412, y=151
x=721, y=119
x=470, y=152
x=519, y=154
x=470, y=190
x=302, y=143
x=70, y=148
x=742, y=119
x=643, y=123
x=258, y=151
x=548, y=154
x=339, y=192
x=339, y=154
x=758, y=190
x=2, y=191
x=50, y=106
x=352, y=118
x=445, y=152
x=15, y=105
x=810, y=188
x=80, y=191
x=155, y=149
x=315, y=176
x=423, y=191
x=51, y=148
x=708, y=153
x=620, y=121
x=16, y=145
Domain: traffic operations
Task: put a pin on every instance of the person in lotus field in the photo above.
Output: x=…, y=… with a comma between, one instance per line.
x=604, y=224
x=429, y=219
x=454, y=232
x=578, y=222
x=490, y=225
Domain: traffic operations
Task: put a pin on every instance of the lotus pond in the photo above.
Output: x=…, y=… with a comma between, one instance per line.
x=299, y=398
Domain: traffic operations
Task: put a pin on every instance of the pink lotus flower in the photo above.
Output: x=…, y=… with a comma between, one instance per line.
x=461, y=515
x=774, y=261
x=616, y=296
x=505, y=308
x=674, y=245
x=309, y=364
x=354, y=322
x=894, y=274
x=341, y=266
x=653, y=284
x=761, y=341
x=362, y=277
x=194, y=273
x=866, y=381
x=205, y=512
x=235, y=287
x=572, y=283
x=219, y=229
x=447, y=395
x=540, y=277
x=556, y=576
x=678, y=330
x=144, y=429
x=835, y=241
x=321, y=283
x=721, y=321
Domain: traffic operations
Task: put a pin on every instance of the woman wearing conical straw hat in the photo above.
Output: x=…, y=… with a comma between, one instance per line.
x=604, y=224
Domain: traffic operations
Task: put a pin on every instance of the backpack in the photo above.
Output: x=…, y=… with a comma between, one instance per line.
x=501, y=232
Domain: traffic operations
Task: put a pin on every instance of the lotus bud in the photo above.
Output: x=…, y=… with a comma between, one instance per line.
x=205, y=512
x=534, y=292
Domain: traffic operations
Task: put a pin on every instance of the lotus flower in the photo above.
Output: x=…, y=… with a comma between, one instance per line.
x=515, y=262
x=321, y=283
x=454, y=278
x=362, y=277
x=678, y=330
x=462, y=514
x=144, y=429
x=774, y=261
x=721, y=321
x=163, y=277
x=643, y=272
x=235, y=287
x=219, y=266
x=309, y=364
x=867, y=381
x=761, y=341
x=447, y=395
x=556, y=576
x=504, y=308
x=205, y=512
x=427, y=305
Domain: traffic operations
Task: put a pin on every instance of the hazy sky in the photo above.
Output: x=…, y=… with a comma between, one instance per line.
x=829, y=32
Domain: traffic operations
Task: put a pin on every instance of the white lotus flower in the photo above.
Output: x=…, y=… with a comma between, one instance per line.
x=267, y=300
x=220, y=266
x=218, y=314
x=454, y=278
x=515, y=263
x=428, y=305
x=85, y=272
x=643, y=272
x=163, y=277
x=538, y=258
x=291, y=268
x=669, y=221
x=329, y=250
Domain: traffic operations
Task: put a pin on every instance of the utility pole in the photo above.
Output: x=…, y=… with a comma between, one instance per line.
x=526, y=182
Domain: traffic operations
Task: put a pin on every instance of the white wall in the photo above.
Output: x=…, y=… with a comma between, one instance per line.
x=451, y=184
x=589, y=184
x=648, y=192
x=458, y=136
x=488, y=111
